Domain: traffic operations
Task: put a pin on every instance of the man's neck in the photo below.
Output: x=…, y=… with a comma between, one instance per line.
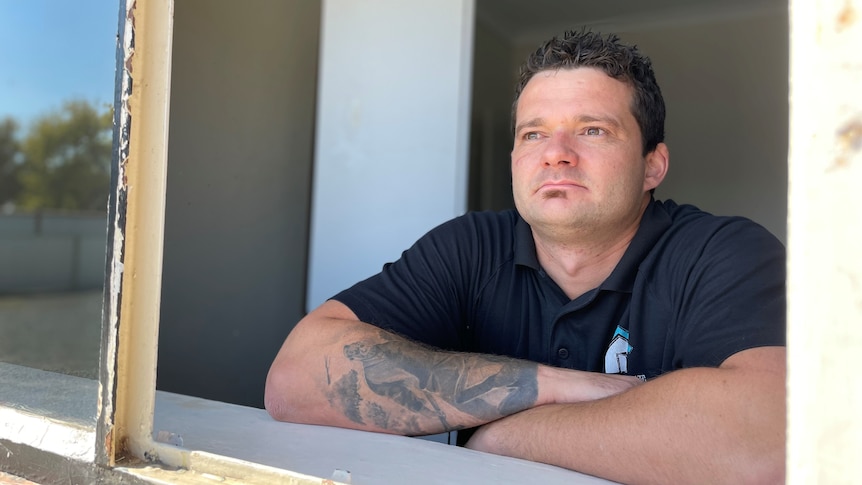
x=579, y=264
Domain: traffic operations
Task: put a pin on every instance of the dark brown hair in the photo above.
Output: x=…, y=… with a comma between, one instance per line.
x=619, y=61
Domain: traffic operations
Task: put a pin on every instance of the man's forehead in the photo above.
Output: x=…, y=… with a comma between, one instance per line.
x=551, y=84
x=574, y=74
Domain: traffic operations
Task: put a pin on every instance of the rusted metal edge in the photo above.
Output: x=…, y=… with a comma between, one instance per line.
x=115, y=253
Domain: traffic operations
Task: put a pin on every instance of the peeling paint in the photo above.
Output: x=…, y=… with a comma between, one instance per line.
x=849, y=142
x=137, y=220
x=846, y=17
x=850, y=136
x=115, y=269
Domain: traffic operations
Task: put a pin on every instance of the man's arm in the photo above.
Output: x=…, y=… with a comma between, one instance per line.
x=335, y=370
x=696, y=425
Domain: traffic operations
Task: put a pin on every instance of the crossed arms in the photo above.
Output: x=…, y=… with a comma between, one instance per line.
x=691, y=426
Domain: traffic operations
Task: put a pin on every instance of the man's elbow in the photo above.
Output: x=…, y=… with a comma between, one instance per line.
x=765, y=464
x=768, y=469
x=278, y=399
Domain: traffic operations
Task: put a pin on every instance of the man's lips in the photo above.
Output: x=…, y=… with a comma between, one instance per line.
x=560, y=184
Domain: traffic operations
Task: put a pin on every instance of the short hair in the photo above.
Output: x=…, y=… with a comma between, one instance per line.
x=619, y=61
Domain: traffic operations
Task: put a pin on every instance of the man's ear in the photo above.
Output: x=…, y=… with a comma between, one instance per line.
x=656, y=166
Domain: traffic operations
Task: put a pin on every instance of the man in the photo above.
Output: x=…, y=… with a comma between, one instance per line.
x=594, y=328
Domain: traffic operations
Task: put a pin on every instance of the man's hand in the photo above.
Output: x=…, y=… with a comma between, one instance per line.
x=570, y=386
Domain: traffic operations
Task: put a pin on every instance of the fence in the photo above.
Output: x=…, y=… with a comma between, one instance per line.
x=51, y=252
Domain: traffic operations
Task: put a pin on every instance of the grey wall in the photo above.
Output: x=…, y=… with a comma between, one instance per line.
x=494, y=76
x=239, y=179
x=726, y=88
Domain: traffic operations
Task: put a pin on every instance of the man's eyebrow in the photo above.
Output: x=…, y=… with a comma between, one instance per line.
x=531, y=123
x=610, y=120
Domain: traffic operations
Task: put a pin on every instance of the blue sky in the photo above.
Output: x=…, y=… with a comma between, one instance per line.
x=55, y=50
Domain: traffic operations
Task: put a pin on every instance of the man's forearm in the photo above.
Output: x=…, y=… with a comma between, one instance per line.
x=336, y=370
x=402, y=387
x=346, y=373
x=690, y=426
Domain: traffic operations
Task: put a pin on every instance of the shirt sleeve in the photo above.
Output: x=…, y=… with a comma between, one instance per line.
x=733, y=297
x=421, y=295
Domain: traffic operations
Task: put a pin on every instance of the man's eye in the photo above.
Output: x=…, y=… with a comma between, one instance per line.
x=592, y=131
x=531, y=136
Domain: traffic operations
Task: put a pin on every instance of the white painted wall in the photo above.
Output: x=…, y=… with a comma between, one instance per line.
x=824, y=280
x=391, y=133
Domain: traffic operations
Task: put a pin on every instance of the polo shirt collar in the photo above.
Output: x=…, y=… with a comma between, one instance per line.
x=525, y=246
x=654, y=223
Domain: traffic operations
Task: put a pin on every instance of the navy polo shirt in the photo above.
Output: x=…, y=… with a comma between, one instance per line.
x=690, y=290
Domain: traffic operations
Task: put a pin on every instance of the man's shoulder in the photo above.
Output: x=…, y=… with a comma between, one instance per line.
x=474, y=235
x=688, y=222
x=693, y=234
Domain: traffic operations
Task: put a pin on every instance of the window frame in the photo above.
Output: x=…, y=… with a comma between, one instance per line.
x=127, y=369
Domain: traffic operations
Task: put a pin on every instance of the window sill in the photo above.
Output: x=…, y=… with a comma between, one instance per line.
x=62, y=422
x=49, y=411
x=250, y=434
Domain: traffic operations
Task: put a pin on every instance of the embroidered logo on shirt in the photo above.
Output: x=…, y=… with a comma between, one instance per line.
x=616, y=358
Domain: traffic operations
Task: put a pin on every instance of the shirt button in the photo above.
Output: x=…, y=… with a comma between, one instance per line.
x=563, y=353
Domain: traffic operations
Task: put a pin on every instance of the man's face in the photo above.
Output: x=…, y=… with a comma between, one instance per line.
x=577, y=160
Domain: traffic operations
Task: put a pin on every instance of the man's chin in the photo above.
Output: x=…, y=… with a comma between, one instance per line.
x=557, y=217
x=554, y=194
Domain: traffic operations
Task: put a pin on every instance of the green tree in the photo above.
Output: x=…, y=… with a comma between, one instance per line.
x=66, y=160
x=9, y=161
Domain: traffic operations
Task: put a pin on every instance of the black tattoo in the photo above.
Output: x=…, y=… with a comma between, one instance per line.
x=412, y=425
x=347, y=389
x=428, y=382
x=378, y=415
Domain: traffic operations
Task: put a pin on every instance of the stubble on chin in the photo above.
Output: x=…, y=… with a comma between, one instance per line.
x=554, y=194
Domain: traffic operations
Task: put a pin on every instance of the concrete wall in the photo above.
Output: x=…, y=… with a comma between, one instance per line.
x=52, y=252
x=239, y=179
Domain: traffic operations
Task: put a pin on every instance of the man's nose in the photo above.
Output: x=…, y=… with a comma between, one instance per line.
x=560, y=149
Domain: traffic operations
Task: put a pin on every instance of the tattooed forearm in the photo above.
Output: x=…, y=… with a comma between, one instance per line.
x=422, y=386
x=378, y=415
x=347, y=388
